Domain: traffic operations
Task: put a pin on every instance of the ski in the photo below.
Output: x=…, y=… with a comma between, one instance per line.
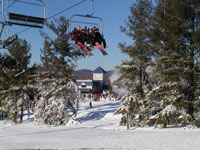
x=84, y=48
x=99, y=46
x=95, y=47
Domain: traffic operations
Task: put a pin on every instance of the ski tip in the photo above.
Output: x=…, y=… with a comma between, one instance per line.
x=105, y=53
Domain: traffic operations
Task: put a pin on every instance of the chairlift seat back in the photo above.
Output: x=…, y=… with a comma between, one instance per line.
x=25, y=20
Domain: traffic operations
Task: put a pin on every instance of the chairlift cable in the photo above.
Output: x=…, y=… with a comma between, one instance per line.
x=67, y=9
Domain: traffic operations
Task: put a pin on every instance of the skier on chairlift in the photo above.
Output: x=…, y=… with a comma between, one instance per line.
x=89, y=38
x=76, y=35
x=99, y=38
x=92, y=38
x=95, y=37
x=84, y=34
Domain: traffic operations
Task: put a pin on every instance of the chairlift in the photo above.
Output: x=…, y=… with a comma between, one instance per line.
x=10, y=18
x=23, y=19
x=91, y=17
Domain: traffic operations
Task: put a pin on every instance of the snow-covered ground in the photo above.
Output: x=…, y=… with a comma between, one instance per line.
x=95, y=128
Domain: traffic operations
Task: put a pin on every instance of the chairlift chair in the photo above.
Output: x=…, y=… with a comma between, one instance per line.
x=10, y=18
x=90, y=16
x=85, y=16
x=81, y=45
x=23, y=19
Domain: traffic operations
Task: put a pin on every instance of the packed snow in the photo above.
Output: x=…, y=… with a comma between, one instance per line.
x=95, y=128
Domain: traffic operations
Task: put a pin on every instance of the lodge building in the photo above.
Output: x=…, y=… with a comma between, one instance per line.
x=93, y=84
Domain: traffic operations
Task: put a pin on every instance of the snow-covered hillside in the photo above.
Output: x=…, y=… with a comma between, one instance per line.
x=95, y=128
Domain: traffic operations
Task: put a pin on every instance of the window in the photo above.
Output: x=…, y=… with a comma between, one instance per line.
x=83, y=86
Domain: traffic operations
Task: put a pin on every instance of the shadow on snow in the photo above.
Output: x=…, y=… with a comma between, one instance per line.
x=42, y=132
x=98, y=112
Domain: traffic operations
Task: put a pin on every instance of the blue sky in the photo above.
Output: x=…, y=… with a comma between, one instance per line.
x=113, y=12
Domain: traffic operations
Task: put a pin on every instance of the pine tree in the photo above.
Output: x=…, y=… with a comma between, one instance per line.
x=174, y=34
x=14, y=78
x=134, y=72
x=55, y=79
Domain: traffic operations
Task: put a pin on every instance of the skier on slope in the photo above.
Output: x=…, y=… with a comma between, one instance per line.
x=90, y=104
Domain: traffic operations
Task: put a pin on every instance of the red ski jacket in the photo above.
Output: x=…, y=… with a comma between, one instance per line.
x=75, y=33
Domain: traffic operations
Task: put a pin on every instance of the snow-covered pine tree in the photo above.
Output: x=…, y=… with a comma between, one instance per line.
x=14, y=78
x=129, y=105
x=134, y=72
x=55, y=78
x=54, y=106
x=174, y=35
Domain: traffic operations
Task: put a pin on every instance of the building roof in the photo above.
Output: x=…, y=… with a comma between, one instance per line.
x=99, y=70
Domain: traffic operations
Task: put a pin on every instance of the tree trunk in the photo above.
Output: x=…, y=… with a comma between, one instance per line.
x=191, y=66
x=128, y=122
x=22, y=113
x=165, y=121
x=15, y=115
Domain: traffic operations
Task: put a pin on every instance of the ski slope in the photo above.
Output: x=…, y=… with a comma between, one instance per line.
x=95, y=128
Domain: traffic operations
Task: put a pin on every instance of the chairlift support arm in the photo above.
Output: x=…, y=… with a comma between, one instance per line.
x=85, y=16
x=92, y=7
x=82, y=22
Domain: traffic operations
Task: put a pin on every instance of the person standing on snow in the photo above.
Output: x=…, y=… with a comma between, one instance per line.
x=90, y=104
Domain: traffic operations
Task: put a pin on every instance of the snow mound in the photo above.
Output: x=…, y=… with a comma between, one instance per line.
x=111, y=116
x=190, y=127
x=5, y=124
x=72, y=122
